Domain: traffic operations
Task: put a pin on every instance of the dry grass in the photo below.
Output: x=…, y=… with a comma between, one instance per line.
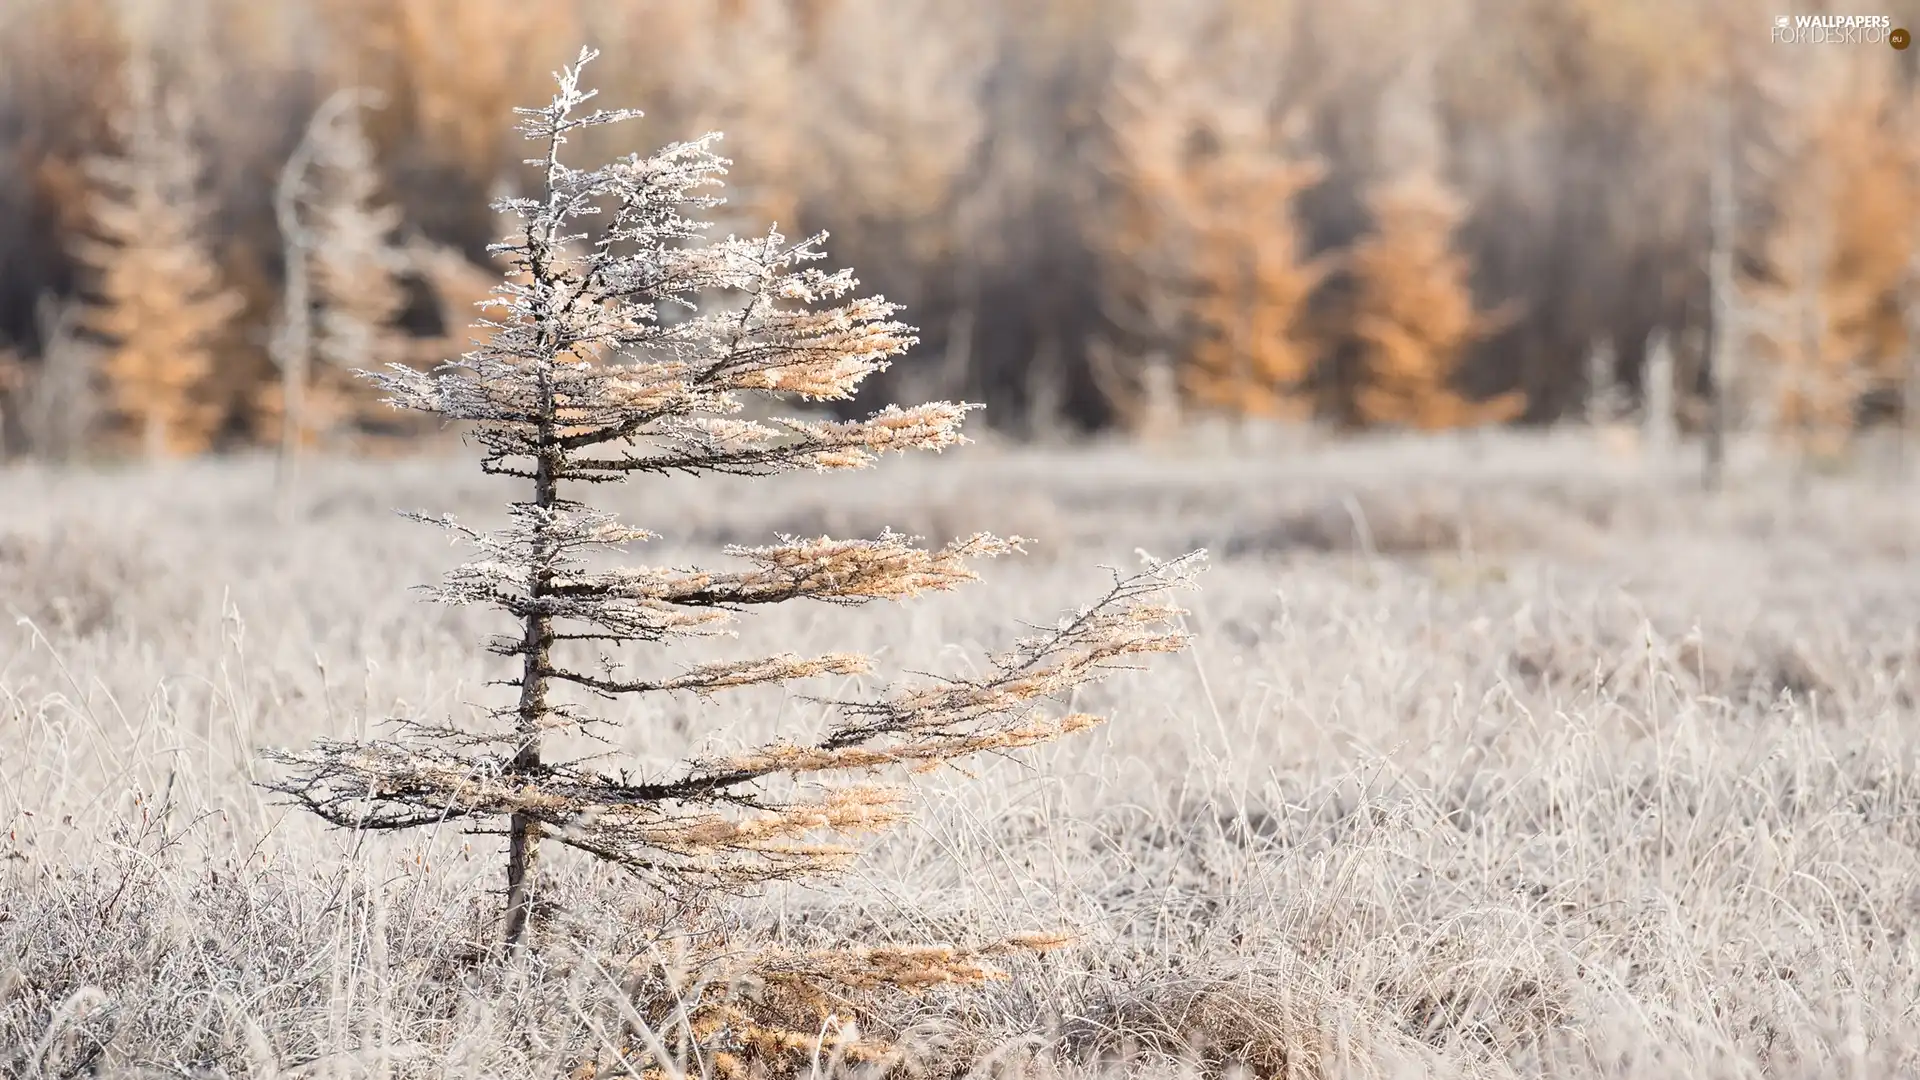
x=1494, y=758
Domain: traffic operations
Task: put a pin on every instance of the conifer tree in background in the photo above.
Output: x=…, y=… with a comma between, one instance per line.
x=158, y=297
x=737, y=70
x=342, y=289
x=1829, y=325
x=580, y=381
x=1585, y=176
x=1252, y=356
x=1143, y=297
x=1414, y=316
x=1814, y=379
x=1414, y=313
x=1872, y=149
x=356, y=259
x=1910, y=377
x=1207, y=262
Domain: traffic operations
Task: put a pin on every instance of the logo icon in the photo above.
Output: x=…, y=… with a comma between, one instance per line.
x=1900, y=39
x=1782, y=22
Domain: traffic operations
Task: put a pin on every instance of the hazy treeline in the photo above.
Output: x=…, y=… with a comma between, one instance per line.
x=1372, y=212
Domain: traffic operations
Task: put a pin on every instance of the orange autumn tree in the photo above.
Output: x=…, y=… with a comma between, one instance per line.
x=1831, y=325
x=159, y=300
x=1414, y=316
x=1250, y=355
x=1206, y=265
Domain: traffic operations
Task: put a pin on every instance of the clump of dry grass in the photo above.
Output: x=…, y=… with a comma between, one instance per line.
x=1578, y=817
x=69, y=582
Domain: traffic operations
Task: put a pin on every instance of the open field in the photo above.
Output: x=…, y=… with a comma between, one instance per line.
x=1494, y=757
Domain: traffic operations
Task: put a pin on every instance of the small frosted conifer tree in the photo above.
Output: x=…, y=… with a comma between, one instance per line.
x=580, y=381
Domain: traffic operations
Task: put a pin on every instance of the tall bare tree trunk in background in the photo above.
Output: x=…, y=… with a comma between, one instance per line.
x=1656, y=395
x=1910, y=378
x=293, y=341
x=1046, y=390
x=1721, y=379
x=292, y=347
x=1602, y=384
x=1810, y=382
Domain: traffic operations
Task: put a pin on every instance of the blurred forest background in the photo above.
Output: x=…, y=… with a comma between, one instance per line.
x=1103, y=214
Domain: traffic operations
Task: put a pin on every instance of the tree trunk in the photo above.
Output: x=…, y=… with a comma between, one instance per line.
x=1813, y=388
x=153, y=434
x=523, y=857
x=293, y=344
x=523, y=832
x=1909, y=440
x=293, y=425
x=1601, y=381
x=1720, y=347
x=1656, y=396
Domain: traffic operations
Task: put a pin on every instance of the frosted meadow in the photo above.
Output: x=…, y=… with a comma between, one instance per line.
x=1493, y=759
